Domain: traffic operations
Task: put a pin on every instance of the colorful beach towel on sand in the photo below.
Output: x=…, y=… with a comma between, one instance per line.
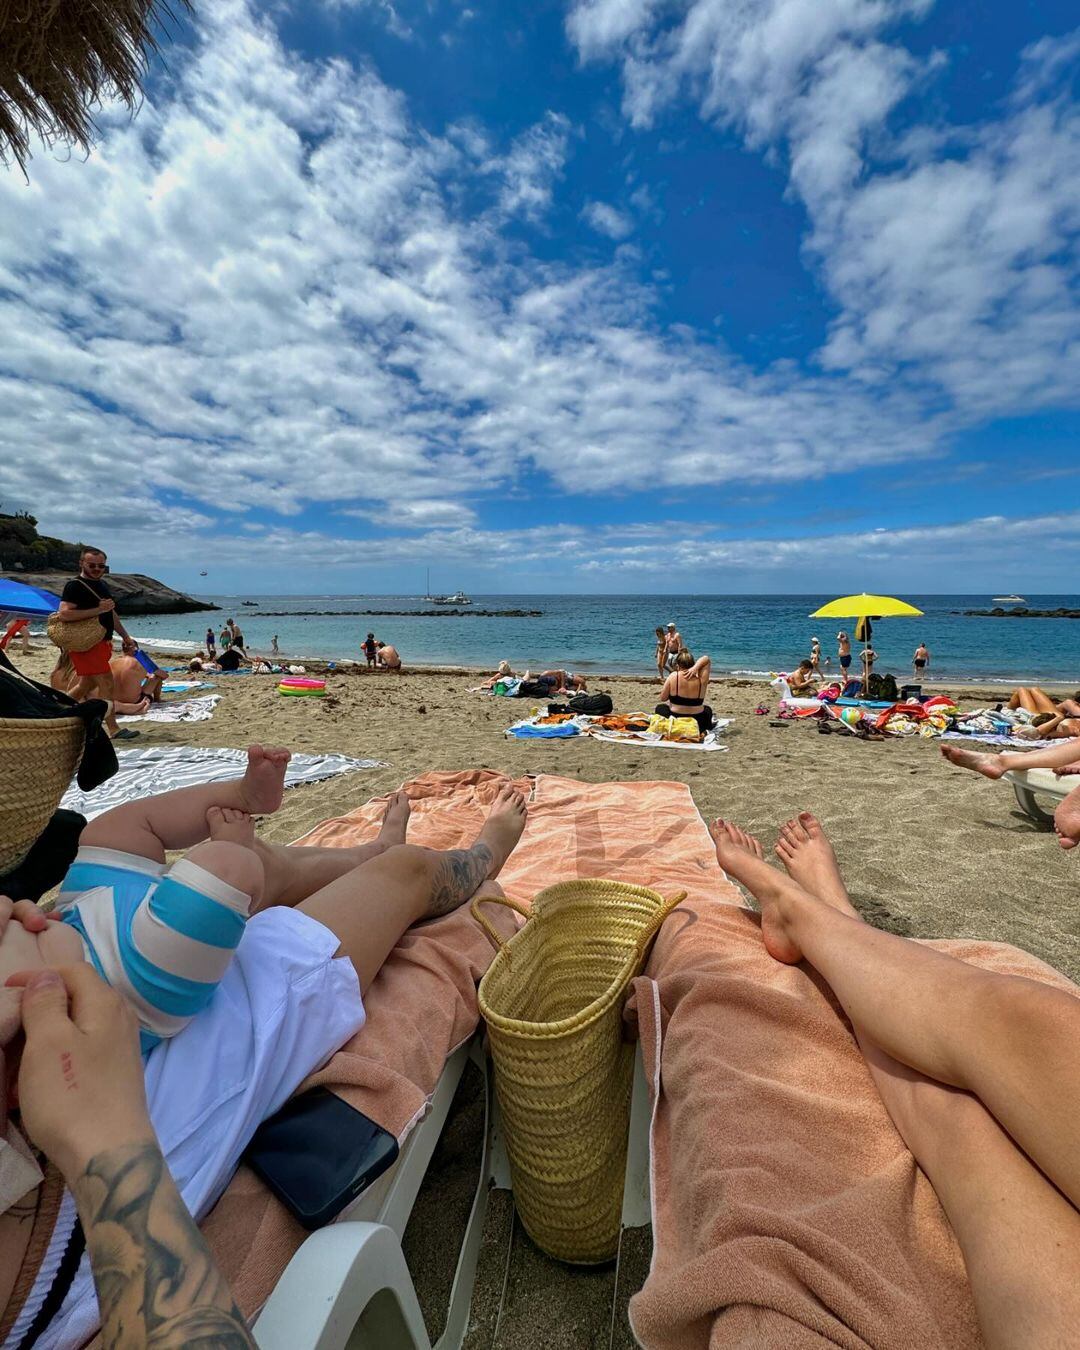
x=162, y=768
x=537, y=728
x=997, y=738
x=178, y=710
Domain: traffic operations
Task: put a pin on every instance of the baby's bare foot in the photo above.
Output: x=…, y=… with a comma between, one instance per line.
x=396, y=820
x=503, y=827
x=809, y=859
x=990, y=766
x=263, y=784
x=740, y=855
x=225, y=822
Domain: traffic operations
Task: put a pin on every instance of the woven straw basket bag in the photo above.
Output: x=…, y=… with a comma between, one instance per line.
x=38, y=758
x=552, y=1000
x=76, y=635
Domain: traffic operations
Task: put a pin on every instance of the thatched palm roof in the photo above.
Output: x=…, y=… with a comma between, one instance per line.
x=58, y=58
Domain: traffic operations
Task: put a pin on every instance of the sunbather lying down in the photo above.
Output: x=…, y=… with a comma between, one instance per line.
x=245, y=962
x=978, y=1071
x=1064, y=759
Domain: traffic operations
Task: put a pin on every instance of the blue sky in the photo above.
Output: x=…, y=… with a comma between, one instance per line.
x=598, y=295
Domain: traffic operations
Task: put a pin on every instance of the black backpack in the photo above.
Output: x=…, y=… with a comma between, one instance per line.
x=882, y=688
x=533, y=689
x=596, y=705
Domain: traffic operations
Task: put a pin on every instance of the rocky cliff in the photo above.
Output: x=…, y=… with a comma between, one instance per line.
x=134, y=593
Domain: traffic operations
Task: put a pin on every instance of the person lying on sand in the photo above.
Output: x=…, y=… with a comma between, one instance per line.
x=322, y=922
x=559, y=681
x=978, y=1071
x=1036, y=700
x=1064, y=759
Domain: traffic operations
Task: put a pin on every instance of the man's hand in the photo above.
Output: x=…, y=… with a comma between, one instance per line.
x=107, y=606
x=81, y=1078
x=1065, y=770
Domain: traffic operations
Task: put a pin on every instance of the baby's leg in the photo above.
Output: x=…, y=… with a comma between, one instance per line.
x=184, y=934
x=177, y=820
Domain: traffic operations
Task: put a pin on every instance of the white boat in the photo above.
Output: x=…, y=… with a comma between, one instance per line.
x=1009, y=600
x=459, y=598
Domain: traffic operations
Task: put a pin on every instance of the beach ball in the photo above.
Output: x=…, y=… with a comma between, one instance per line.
x=852, y=716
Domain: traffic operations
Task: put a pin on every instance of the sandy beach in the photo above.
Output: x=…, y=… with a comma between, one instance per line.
x=928, y=850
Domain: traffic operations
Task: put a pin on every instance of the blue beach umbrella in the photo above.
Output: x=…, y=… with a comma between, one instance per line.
x=15, y=598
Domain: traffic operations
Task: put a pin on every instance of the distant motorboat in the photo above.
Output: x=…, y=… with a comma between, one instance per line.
x=1009, y=600
x=202, y=574
x=458, y=598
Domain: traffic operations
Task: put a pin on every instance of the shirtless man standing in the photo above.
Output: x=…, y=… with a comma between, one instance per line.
x=843, y=648
x=921, y=660
x=673, y=645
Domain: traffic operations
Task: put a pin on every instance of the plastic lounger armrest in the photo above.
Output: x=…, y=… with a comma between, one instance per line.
x=348, y=1285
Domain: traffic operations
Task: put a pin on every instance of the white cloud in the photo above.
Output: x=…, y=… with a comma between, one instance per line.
x=268, y=292
x=607, y=219
x=418, y=515
x=956, y=268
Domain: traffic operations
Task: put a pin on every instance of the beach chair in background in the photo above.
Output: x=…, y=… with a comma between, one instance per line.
x=349, y=1288
x=1030, y=784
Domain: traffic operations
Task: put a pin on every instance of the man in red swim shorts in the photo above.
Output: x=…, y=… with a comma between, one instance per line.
x=88, y=597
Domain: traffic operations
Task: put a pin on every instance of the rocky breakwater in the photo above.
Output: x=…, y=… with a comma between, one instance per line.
x=1022, y=613
x=398, y=613
x=133, y=592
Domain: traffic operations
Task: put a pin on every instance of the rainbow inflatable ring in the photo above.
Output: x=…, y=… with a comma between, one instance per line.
x=298, y=688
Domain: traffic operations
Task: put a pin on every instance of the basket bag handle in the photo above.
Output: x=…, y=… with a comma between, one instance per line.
x=644, y=938
x=493, y=936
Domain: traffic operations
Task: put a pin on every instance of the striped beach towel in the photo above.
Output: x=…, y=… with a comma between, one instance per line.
x=163, y=768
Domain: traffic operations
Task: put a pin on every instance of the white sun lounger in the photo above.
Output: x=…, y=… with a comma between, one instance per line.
x=1029, y=784
x=348, y=1287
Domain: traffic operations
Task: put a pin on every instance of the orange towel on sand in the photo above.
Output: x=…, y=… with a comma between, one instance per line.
x=787, y=1212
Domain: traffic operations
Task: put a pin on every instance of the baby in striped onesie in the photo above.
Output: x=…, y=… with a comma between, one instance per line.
x=162, y=936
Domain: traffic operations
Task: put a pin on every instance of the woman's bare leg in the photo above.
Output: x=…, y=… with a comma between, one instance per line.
x=371, y=907
x=993, y=766
x=295, y=871
x=1019, y=1236
x=1008, y=1040
x=177, y=820
x=1042, y=701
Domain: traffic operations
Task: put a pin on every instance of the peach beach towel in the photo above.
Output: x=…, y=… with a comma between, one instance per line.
x=787, y=1211
x=423, y=1003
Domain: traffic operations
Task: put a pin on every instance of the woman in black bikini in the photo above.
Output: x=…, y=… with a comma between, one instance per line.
x=683, y=694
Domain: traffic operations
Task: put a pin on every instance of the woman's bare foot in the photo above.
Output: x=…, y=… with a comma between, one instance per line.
x=263, y=784
x=225, y=822
x=503, y=827
x=396, y=820
x=740, y=855
x=808, y=858
x=1067, y=820
x=723, y=831
x=990, y=766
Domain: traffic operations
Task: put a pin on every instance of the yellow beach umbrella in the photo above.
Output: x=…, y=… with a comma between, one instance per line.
x=865, y=606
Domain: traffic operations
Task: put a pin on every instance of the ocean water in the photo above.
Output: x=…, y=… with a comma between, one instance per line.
x=750, y=634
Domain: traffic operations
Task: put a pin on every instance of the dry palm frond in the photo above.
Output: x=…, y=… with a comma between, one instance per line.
x=59, y=58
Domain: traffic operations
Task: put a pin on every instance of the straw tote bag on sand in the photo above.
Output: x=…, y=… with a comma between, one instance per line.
x=76, y=635
x=552, y=1000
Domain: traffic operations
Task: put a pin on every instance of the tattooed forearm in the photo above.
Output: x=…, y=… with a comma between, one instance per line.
x=157, y=1283
x=458, y=873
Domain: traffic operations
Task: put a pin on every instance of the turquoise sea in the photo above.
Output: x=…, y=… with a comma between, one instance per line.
x=748, y=634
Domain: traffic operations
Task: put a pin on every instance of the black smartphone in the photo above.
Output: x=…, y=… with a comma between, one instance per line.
x=318, y=1153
